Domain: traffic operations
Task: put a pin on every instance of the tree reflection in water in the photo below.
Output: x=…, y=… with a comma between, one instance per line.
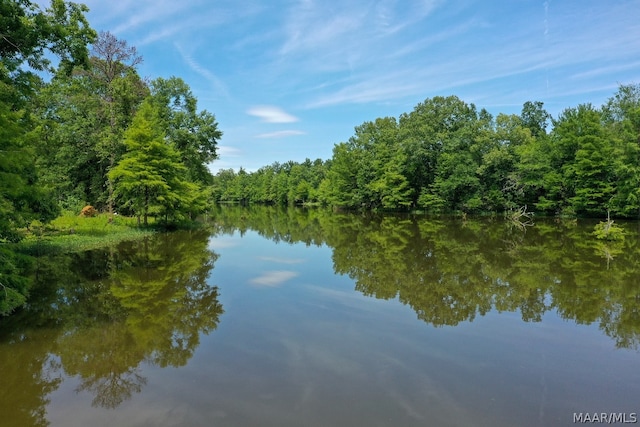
x=450, y=271
x=107, y=312
x=103, y=316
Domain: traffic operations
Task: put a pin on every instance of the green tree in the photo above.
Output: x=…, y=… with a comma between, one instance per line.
x=340, y=188
x=456, y=184
x=194, y=134
x=535, y=118
x=583, y=155
x=502, y=184
x=424, y=133
x=148, y=179
x=122, y=90
x=621, y=116
x=83, y=117
x=28, y=34
x=221, y=183
x=29, y=38
x=388, y=186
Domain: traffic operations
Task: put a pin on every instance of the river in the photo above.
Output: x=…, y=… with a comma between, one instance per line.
x=294, y=317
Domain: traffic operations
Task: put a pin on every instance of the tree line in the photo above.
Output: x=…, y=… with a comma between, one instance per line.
x=446, y=155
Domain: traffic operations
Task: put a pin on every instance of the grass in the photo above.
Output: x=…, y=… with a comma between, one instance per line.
x=73, y=233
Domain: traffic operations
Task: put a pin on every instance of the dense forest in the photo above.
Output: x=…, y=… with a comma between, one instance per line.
x=96, y=133
x=79, y=126
x=446, y=156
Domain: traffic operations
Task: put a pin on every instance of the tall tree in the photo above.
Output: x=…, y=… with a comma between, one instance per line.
x=502, y=184
x=84, y=115
x=584, y=158
x=194, y=134
x=621, y=116
x=29, y=37
x=113, y=65
x=425, y=133
x=535, y=118
x=149, y=177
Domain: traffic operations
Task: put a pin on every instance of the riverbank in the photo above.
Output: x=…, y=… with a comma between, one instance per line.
x=73, y=233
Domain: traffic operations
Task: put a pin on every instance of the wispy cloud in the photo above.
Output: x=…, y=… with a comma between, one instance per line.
x=271, y=114
x=147, y=21
x=142, y=13
x=222, y=243
x=204, y=72
x=273, y=279
x=390, y=21
x=282, y=260
x=614, y=68
x=386, y=66
x=280, y=134
x=227, y=151
x=307, y=29
x=390, y=85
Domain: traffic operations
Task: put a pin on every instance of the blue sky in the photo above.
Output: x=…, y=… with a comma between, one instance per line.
x=289, y=79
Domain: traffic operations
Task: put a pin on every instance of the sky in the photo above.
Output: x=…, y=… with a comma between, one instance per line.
x=288, y=79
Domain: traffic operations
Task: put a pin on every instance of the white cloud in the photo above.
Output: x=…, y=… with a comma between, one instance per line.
x=281, y=260
x=271, y=114
x=273, y=279
x=280, y=134
x=308, y=32
x=149, y=12
x=226, y=151
x=204, y=72
x=610, y=69
x=222, y=243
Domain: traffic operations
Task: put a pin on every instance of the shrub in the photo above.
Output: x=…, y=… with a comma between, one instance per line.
x=608, y=230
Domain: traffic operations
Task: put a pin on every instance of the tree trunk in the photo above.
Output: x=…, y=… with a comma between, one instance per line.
x=146, y=204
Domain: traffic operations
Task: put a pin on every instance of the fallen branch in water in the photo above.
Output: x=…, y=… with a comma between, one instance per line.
x=520, y=217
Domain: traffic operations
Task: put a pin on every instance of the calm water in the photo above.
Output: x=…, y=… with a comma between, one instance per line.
x=303, y=318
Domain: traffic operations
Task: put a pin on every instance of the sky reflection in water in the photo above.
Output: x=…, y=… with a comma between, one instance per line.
x=449, y=324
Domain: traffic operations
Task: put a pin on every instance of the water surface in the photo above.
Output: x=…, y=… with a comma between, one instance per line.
x=293, y=317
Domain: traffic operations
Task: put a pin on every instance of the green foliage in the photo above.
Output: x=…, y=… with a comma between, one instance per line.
x=194, y=134
x=607, y=230
x=148, y=180
x=448, y=272
x=289, y=183
x=102, y=314
x=82, y=118
x=447, y=156
x=29, y=37
x=29, y=34
x=65, y=143
x=14, y=282
x=535, y=118
x=584, y=158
